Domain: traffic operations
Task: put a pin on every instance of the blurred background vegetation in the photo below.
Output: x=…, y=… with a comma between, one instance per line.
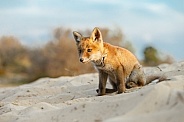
x=20, y=64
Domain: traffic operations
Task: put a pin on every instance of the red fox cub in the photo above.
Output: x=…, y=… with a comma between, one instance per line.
x=117, y=64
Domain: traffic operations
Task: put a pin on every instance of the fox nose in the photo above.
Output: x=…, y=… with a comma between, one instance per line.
x=81, y=59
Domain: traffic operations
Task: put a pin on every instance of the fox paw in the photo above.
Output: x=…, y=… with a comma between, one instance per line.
x=131, y=85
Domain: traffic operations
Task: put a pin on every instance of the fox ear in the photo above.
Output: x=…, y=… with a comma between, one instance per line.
x=96, y=34
x=77, y=36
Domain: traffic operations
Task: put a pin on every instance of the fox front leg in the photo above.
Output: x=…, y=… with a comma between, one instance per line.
x=102, y=83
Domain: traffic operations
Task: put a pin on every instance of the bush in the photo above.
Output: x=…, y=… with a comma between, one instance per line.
x=152, y=58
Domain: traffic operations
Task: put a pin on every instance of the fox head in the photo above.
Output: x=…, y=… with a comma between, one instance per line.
x=89, y=48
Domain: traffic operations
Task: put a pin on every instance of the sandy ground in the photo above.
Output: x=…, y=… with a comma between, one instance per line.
x=74, y=99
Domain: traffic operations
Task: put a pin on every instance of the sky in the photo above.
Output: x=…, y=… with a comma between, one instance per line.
x=144, y=22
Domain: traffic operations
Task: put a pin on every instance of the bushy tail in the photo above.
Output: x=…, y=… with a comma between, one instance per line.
x=151, y=78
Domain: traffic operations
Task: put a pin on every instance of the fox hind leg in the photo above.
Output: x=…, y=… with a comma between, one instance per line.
x=137, y=77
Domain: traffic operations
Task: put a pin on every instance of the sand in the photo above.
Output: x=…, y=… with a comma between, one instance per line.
x=74, y=99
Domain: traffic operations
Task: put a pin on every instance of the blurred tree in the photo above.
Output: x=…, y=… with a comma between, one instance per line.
x=115, y=37
x=37, y=67
x=10, y=49
x=152, y=58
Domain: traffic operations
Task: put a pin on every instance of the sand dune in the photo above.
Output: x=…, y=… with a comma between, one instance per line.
x=73, y=99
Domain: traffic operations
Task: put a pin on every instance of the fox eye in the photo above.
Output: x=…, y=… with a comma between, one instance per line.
x=89, y=50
